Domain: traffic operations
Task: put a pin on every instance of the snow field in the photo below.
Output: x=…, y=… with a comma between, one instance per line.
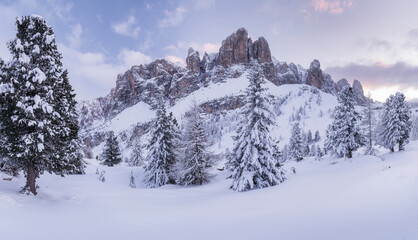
x=361, y=198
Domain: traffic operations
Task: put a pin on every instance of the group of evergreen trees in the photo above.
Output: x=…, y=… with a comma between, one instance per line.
x=347, y=132
x=38, y=116
x=176, y=157
x=184, y=158
x=345, y=136
x=301, y=144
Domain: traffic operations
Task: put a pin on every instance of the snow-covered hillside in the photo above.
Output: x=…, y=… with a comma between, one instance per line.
x=362, y=198
x=290, y=103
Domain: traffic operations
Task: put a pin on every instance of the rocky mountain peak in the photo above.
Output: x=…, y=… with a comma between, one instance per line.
x=238, y=48
x=260, y=50
x=193, y=61
x=314, y=75
x=148, y=82
x=342, y=83
x=315, y=64
x=234, y=48
x=359, y=93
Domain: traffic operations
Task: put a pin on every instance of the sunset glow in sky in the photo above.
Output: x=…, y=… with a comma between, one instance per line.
x=373, y=41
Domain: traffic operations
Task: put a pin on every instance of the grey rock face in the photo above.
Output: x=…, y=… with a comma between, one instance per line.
x=193, y=61
x=359, y=93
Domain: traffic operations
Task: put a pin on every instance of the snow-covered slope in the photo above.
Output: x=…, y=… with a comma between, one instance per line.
x=290, y=102
x=363, y=198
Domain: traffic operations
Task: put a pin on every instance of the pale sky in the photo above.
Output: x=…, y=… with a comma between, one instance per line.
x=374, y=41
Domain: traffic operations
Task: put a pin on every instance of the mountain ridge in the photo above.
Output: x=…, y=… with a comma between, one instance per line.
x=162, y=79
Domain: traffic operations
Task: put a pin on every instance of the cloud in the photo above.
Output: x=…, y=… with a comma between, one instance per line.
x=383, y=78
x=128, y=28
x=99, y=18
x=130, y=58
x=74, y=38
x=174, y=59
x=378, y=74
x=204, y=4
x=148, y=6
x=93, y=74
x=170, y=47
x=211, y=47
x=172, y=18
x=334, y=7
x=182, y=46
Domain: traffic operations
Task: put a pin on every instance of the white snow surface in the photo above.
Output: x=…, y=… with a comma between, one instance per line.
x=363, y=198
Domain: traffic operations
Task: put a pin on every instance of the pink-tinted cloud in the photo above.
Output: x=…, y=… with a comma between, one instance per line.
x=334, y=7
x=378, y=74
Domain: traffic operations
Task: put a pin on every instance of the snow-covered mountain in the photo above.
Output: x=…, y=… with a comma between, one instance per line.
x=217, y=82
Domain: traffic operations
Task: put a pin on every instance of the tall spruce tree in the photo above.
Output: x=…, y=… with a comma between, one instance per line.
x=136, y=158
x=343, y=134
x=197, y=159
x=35, y=113
x=251, y=161
x=111, y=155
x=396, y=123
x=368, y=119
x=317, y=136
x=297, y=145
x=162, y=157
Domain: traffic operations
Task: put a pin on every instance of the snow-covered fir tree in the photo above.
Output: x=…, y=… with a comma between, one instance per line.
x=251, y=161
x=196, y=159
x=317, y=136
x=285, y=153
x=297, y=146
x=36, y=117
x=136, y=159
x=111, y=155
x=162, y=158
x=343, y=134
x=132, y=180
x=312, y=150
x=71, y=150
x=177, y=142
x=368, y=119
x=396, y=124
x=319, y=153
x=309, y=138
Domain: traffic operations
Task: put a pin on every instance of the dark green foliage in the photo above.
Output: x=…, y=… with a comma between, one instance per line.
x=111, y=153
x=252, y=160
x=162, y=155
x=343, y=134
x=38, y=120
x=396, y=124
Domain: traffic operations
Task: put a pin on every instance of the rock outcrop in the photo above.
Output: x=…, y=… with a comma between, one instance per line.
x=239, y=49
x=359, y=93
x=234, y=49
x=341, y=84
x=314, y=75
x=193, y=61
x=260, y=51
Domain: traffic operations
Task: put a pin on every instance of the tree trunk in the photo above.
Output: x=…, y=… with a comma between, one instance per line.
x=30, y=180
x=401, y=147
x=392, y=149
